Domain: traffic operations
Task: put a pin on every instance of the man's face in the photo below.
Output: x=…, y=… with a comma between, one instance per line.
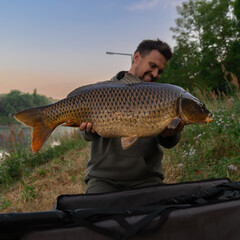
x=150, y=67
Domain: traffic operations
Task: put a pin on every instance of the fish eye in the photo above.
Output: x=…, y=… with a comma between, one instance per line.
x=202, y=107
x=200, y=104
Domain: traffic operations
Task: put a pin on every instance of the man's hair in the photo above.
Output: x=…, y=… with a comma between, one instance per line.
x=146, y=46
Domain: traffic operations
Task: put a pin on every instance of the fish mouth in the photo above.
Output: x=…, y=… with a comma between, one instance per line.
x=209, y=118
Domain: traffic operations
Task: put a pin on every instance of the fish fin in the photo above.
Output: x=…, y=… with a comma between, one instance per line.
x=127, y=79
x=174, y=123
x=32, y=117
x=127, y=142
x=40, y=136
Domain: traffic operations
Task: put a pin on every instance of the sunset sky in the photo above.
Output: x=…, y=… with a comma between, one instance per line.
x=55, y=46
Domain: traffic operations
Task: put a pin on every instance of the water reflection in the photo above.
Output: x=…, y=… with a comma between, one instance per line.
x=3, y=155
x=55, y=143
x=20, y=136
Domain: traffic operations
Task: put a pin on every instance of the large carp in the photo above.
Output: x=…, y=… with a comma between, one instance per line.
x=129, y=111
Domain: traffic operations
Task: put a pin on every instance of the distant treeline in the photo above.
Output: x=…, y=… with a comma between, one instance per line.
x=16, y=101
x=207, y=52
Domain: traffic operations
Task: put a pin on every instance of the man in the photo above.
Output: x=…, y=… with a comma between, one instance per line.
x=111, y=168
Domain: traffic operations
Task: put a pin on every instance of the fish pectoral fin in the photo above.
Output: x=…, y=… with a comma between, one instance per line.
x=127, y=142
x=174, y=123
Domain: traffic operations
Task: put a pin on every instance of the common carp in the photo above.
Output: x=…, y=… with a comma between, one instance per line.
x=128, y=111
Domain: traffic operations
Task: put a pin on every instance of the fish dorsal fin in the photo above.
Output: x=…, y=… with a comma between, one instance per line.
x=130, y=79
x=127, y=79
x=174, y=123
x=127, y=142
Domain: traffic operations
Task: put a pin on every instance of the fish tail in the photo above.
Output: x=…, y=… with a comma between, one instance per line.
x=32, y=117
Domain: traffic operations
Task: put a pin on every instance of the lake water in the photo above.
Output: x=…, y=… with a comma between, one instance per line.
x=22, y=134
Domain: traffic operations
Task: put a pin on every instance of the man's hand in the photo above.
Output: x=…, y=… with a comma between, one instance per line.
x=170, y=132
x=87, y=126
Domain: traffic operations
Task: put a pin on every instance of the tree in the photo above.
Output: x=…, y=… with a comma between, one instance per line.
x=16, y=101
x=2, y=111
x=233, y=54
x=206, y=35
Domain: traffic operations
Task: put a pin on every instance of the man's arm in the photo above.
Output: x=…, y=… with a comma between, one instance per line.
x=169, y=141
x=170, y=137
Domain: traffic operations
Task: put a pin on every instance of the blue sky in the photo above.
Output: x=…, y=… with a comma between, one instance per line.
x=58, y=45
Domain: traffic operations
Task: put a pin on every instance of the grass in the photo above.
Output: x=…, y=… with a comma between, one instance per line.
x=21, y=160
x=209, y=151
x=39, y=190
x=32, y=182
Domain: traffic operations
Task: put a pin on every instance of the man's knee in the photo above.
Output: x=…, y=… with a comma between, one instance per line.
x=96, y=185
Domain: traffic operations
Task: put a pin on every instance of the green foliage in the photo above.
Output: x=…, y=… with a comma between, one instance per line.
x=41, y=172
x=237, y=10
x=16, y=101
x=4, y=203
x=211, y=151
x=29, y=191
x=21, y=161
x=207, y=34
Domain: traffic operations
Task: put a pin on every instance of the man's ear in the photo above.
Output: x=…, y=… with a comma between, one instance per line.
x=136, y=57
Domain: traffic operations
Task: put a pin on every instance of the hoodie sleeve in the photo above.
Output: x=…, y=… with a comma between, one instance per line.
x=169, y=141
x=89, y=136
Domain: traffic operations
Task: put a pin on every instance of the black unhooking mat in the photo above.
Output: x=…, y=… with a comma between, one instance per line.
x=207, y=209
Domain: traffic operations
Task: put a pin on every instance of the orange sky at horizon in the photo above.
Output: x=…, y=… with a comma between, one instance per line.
x=50, y=84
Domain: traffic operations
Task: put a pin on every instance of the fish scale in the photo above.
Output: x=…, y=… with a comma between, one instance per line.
x=96, y=103
x=115, y=110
